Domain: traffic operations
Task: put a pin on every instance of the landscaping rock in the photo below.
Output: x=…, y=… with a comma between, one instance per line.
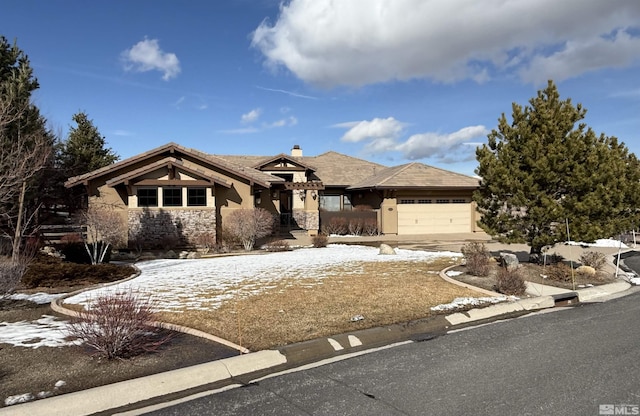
x=586, y=271
x=193, y=255
x=386, y=249
x=509, y=260
x=170, y=255
x=183, y=254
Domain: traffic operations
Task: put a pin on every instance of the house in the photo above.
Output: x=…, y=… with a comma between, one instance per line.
x=176, y=191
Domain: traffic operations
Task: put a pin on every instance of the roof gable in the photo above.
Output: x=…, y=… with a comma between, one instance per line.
x=283, y=158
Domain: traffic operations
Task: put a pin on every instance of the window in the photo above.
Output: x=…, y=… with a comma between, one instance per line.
x=442, y=201
x=424, y=201
x=148, y=197
x=330, y=202
x=459, y=201
x=407, y=201
x=346, y=203
x=172, y=197
x=196, y=197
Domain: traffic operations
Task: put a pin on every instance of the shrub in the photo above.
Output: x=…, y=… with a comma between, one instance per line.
x=477, y=258
x=320, y=240
x=77, y=252
x=118, y=326
x=559, y=272
x=10, y=275
x=370, y=226
x=593, y=259
x=355, y=226
x=207, y=241
x=510, y=282
x=247, y=225
x=553, y=258
x=277, y=245
x=48, y=271
x=336, y=225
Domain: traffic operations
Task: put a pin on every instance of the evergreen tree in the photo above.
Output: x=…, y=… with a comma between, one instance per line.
x=84, y=150
x=542, y=170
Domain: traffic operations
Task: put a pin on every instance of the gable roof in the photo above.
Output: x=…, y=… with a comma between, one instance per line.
x=416, y=175
x=252, y=175
x=339, y=170
x=300, y=161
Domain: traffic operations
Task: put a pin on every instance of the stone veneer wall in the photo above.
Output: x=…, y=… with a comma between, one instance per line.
x=164, y=228
x=308, y=220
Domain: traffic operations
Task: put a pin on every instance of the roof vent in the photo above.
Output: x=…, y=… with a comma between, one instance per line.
x=296, y=151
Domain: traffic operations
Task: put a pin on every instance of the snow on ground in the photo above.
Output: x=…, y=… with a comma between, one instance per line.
x=204, y=284
x=463, y=302
x=48, y=331
x=39, y=298
x=453, y=273
x=603, y=242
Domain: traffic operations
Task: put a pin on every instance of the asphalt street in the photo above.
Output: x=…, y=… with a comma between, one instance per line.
x=566, y=362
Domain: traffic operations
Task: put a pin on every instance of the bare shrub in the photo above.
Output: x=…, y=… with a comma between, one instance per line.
x=477, y=258
x=247, y=225
x=336, y=225
x=510, y=282
x=553, y=258
x=355, y=226
x=207, y=241
x=106, y=225
x=370, y=227
x=593, y=259
x=277, y=245
x=118, y=325
x=10, y=275
x=559, y=272
x=320, y=240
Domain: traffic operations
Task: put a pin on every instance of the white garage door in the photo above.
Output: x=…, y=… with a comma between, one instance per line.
x=433, y=218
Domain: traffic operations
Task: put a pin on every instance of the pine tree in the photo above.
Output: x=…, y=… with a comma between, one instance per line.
x=542, y=170
x=84, y=150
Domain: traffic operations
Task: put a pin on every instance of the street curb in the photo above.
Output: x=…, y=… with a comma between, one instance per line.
x=101, y=399
x=443, y=275
x=595, y=292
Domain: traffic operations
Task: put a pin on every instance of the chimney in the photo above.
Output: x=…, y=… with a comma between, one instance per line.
x=296, y=151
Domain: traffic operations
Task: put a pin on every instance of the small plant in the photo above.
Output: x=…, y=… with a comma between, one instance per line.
x=370, y=227
x=118, y=326
x=207, y=241
x=355, y=226
x=336, y=225
x=477, y=258
x=10, y=275
x=559, y=272
x=277, y=245
x=248, y=225
x=553, y=258
x=510, y=282
x=593, y=259
x=320, y=240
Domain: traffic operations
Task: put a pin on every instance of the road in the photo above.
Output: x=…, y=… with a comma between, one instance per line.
x=566, y=362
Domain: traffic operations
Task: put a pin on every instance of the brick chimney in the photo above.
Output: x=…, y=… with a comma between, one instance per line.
x=296, y=151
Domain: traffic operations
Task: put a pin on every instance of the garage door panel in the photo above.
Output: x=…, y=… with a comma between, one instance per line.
x=434, y=218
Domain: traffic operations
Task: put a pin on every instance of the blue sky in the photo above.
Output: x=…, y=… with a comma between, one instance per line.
x=388, y=81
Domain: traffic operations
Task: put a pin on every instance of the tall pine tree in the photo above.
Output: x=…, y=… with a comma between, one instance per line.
x=546, y=167
x=84, y=151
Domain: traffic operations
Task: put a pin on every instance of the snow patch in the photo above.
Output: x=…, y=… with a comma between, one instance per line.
x=603, y=242
x=459, y=303
x=39, y=298
x=47, y=331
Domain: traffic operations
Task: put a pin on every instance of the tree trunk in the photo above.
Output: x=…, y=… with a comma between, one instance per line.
x=17, y=236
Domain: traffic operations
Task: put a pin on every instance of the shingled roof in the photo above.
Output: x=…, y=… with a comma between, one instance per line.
x=416, y=175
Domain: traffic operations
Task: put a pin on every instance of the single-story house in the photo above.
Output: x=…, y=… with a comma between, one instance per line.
x=174, y=188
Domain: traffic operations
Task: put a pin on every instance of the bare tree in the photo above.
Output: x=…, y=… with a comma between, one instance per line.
x=105, y=228
x=247, y=225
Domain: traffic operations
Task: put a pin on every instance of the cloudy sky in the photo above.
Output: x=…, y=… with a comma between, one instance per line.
x=389, y=81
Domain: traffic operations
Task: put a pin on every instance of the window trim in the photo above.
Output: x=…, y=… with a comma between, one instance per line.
x=169, y=198
x=203, y=196
x=143, y=197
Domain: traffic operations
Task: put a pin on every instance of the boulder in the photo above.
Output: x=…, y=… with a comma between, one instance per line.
x=183, y=254
x=386, y=249
x=509, y=260
x=170, y=255
x=193, y=255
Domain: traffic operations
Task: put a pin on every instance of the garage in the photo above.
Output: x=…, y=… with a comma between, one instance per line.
x=441, y=216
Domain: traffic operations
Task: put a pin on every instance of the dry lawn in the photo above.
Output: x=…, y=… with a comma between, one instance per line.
x=299, y=309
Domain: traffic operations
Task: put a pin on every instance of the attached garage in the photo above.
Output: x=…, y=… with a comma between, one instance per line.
x=420, y=216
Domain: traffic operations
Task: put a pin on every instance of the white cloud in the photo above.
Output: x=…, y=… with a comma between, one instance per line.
x=251, y=116
x=146, y=55
x=383, y=136
x=359, y=42
x=446, y=147
x=124, y=133
x=289, y=121
x=376, y=129
x=582, y=56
